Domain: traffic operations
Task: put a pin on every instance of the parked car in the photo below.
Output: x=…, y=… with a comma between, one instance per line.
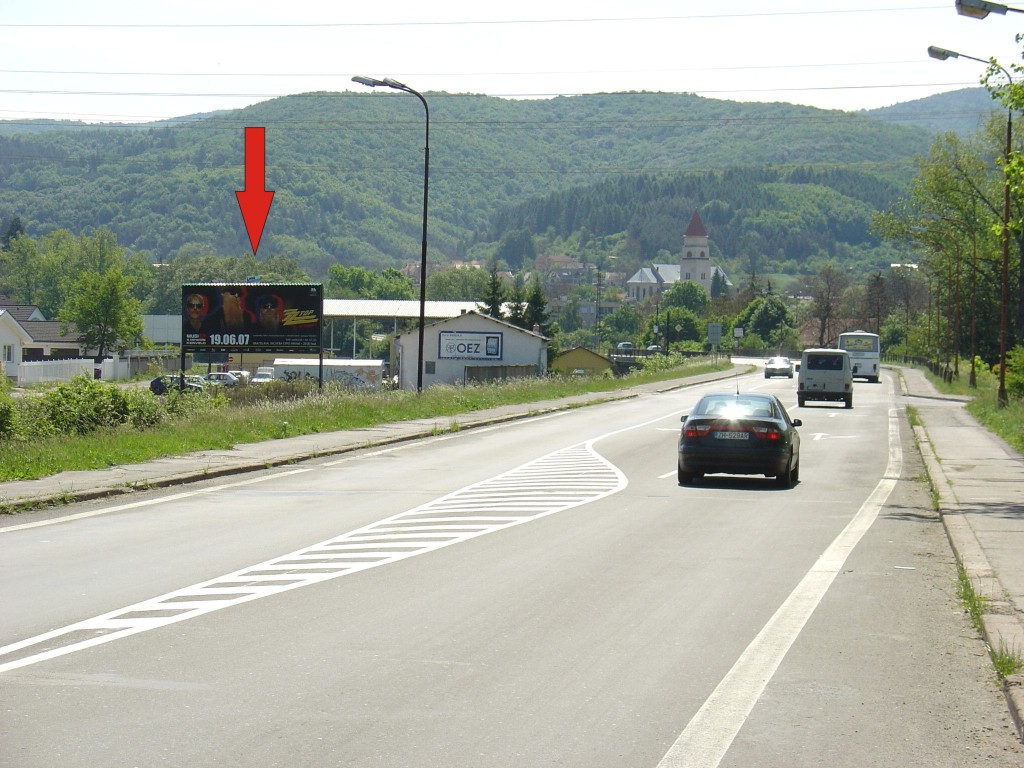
x=221, y=378
x=778, y=366
x=162, y=383
x=741, y=434
x=263, y=374
x=242, y=376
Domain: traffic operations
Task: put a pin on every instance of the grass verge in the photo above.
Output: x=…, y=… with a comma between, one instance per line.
x=251, y=417
x=1006, y=661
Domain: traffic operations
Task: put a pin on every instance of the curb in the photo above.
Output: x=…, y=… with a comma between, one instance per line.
x=999, y=630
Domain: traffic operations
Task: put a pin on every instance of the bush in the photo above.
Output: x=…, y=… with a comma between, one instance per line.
x=145, y=410
x=8, y=416
x=1015, y=372
x=84, y=404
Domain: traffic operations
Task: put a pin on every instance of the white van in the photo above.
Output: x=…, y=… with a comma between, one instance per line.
x=825, y=374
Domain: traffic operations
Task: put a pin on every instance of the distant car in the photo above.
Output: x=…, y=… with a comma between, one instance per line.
x=242, y=376
x=625, y=346
x=221, y=378
x=740, y=434
x=262, y=376
x=778, y=366
x=654, y=348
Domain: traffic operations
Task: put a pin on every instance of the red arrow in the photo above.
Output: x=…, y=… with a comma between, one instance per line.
x=255, y=201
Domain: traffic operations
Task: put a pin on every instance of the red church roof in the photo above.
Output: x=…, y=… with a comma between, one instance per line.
x=696, y=228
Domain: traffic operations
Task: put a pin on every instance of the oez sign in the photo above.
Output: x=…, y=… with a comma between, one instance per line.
x=469, y=345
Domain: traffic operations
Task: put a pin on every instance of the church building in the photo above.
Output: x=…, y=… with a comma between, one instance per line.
x=694, y=266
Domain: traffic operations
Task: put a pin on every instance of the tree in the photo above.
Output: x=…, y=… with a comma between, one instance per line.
x=689, y=295
x=718, y=286
x=571, y=319
x=103, y=311
x=495, y=295
x=536, y=315
x=14, y=229
x=516, y=248
x=457, y=284
x=829, y=285
x=517, y=303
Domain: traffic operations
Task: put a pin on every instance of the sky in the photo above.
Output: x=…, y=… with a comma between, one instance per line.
x=131, y=61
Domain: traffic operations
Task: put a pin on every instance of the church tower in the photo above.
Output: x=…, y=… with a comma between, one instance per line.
x=695, y=263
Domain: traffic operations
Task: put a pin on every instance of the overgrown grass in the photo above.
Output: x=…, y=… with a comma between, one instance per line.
x=254, y=414
x=1006, y=661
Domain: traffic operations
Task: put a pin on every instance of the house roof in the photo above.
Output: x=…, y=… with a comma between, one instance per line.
x=23, y=312
x=49, y=332
x=7, y=320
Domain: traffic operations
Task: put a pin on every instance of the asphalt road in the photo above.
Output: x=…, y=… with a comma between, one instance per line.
x=540, y=593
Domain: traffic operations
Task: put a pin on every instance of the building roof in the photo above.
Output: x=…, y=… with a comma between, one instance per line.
x=483, y=315
x=23, y=312
x=49, y=332
x=651, y=275
x=696, y=227
x=433, y=310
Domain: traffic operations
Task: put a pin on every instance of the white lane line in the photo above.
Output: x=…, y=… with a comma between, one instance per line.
x=569, y=478
x=710, y=733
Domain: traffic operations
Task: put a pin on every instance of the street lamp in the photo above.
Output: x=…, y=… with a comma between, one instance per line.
x=387, y=82
x=942, y=54
x=979, y=9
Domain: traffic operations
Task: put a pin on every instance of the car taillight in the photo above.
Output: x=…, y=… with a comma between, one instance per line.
x=766, y=433
x=698, y=430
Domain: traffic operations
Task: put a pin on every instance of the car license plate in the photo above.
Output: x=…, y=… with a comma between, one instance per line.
x=732, y=435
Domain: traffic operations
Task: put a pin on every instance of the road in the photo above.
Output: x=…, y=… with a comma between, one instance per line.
x=540, y=593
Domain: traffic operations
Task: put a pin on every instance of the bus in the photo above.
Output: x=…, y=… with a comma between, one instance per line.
x=865, y=353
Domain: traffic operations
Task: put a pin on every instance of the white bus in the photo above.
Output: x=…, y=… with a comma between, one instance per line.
x=865, y=353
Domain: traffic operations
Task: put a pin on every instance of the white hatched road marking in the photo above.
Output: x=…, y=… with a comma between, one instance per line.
x=554, y=483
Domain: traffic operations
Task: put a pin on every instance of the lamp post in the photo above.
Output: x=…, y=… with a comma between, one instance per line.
x=1004, y=314
x=387, y=82
x=979, y=9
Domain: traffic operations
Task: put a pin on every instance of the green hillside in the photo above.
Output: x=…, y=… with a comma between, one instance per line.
x=347, y=170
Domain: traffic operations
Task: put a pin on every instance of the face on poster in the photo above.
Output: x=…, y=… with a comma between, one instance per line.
x=251, y=317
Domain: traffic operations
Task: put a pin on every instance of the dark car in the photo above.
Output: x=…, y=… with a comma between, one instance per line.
x=741, y=434
x=161, y=384
x=778, y=366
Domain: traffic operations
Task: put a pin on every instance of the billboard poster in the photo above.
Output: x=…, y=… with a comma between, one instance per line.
x=251, y=317
x=469, y=345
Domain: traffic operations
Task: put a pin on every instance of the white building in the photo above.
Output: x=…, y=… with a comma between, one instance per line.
x=467, y=348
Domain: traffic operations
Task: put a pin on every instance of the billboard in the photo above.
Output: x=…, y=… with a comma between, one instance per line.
x=251, y=317
x=469, y=345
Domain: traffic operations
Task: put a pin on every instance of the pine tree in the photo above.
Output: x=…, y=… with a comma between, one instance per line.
x=495, y=293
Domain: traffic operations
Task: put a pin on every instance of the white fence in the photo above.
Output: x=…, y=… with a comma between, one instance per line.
x=64, y=370
x=52, y=370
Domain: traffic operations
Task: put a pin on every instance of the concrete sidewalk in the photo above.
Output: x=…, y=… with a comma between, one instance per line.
x=977, y=477
x=979, y=482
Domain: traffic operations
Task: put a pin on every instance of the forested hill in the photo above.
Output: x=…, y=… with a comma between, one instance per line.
x=762, y=220
x=347, y=168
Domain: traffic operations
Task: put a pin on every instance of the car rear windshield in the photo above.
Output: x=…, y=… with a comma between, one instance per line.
x=731, y=407
x=825, y=362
